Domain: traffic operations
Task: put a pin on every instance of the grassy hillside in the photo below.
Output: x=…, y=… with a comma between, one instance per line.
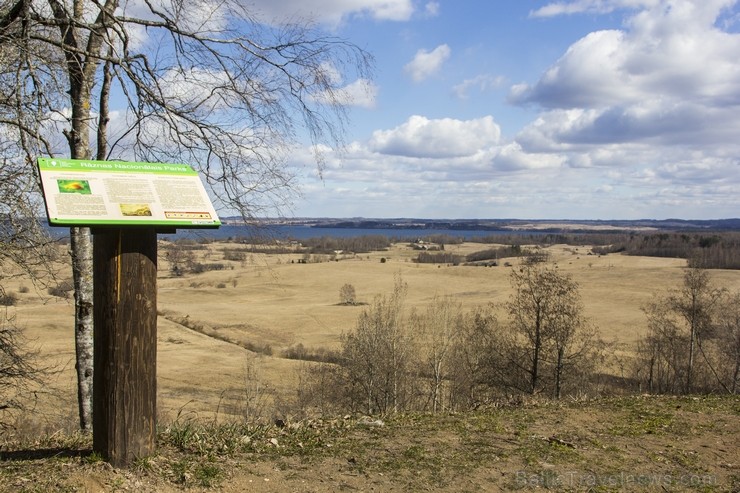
x=616, y=444
x=221, y=338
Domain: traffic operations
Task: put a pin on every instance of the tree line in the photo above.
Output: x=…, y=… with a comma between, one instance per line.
x=692, y=342
x=447, y=358
x=537, y=343
x=354, y=244
x=717, y=250
x=706, y=250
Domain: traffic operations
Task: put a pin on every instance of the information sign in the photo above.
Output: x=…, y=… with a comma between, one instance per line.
x=116, y=193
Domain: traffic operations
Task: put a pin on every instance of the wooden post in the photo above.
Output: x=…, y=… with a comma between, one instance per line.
x=125, y=344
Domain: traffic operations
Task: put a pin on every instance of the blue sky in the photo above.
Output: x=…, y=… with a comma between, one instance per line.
x=583, y=109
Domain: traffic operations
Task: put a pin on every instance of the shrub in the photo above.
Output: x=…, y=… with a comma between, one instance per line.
x=62, y=289
x=8, y=299
x=347, y=295
x=320, y=355
x=199, y=268
x=235, y=255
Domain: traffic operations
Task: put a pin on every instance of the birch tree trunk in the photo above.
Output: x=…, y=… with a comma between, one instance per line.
x=59, y=47
x=81, y=252
x=82, y=57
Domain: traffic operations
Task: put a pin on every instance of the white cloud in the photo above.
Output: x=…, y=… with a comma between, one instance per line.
x=203, y=16
x=673, y=50
x=333, y=11
x=432, y=9
x=482, y=83
x=589, y=6
x=512, y=157
x=590, y=74
x=361, y=93
x=443, y=138
x=211, y=16
x=507, y=180
x=670, y=80
x=194, y=87
x=427, y=63
x=647, y=114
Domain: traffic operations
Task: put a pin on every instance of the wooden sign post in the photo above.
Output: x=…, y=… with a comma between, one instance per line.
x=125, y=344
x=126, y=204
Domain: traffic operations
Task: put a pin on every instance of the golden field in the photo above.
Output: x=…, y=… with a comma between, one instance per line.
x=275, y=300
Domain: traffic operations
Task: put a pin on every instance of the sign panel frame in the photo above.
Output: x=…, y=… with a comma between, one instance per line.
x=83, y=192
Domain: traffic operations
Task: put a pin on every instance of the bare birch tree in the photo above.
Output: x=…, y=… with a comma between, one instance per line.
x=694, y=302
x=473, y=356
x=204, y=83
x=679, y=354
x=25, y=250
x=545, y=311
x=347, y=295
x=728, y=338
x=437, y=330
x=377, y=355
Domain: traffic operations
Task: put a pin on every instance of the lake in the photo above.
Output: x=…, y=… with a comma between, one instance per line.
x=294, y=232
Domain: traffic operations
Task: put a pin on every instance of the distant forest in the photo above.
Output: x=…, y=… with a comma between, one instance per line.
x=710, y=251
x=713, y=250
x=706, y=249
x=546, y=225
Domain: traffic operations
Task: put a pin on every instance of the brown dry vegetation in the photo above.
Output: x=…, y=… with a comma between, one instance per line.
x=616, y=444
x=211, y=322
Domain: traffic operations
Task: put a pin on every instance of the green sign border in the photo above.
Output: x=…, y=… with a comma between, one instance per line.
x=88, y=165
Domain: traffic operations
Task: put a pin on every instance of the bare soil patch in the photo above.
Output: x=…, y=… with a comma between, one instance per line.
x=618, y=444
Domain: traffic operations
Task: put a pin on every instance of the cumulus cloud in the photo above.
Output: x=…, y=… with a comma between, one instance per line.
x=202, y=16
x=512, y=157
x=669, y=78
x=195, y=87
x=673, y=50
x=482, y=83
x=427, y=63
x=447, y=137
x=589, y=6
x=334, y=11
x=590, y=74
x=361, y=93
x=640, y=121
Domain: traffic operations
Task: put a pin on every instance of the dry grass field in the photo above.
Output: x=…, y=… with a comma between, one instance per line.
x=275, y=301
x=205, y=373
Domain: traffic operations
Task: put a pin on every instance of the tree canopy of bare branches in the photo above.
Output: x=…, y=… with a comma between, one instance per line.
x=691, y=344
x=207, y=83
x=551, y=335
